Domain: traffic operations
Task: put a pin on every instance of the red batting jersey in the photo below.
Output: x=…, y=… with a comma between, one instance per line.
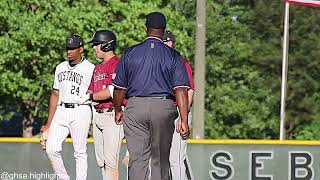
x=189, y=70
x=102, y=77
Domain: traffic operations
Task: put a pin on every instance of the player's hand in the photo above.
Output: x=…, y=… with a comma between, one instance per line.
x=118, y=117
x=183, y=129
x=84, y=99
x=44, y=136
x=43, y=139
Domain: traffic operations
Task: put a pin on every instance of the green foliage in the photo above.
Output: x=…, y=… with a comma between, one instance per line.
x=237, y=103
x=32, y=37
x=266, y=26
x=243, y=57
x=244, y=70
x=308, y=131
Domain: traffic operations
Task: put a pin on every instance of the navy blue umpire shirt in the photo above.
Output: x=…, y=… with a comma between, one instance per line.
x=151, y=69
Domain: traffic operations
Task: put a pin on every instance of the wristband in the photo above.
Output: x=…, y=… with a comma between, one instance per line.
x=111, y=88
x=91, y=97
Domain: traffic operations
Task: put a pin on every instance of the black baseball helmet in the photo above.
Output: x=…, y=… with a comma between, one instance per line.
x=168, y=36
x=106, y=38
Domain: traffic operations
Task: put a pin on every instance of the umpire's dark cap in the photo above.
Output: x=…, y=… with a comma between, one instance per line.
x=156, y=20
x=74, y=41
x=168, y=36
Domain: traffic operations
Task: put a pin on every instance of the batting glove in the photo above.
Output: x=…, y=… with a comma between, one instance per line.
x=86, y=99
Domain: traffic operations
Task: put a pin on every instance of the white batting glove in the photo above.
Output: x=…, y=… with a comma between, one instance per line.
x=84, y=99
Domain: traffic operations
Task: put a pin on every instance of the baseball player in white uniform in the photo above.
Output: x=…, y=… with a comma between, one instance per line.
x=179, y=161
x=71, y=81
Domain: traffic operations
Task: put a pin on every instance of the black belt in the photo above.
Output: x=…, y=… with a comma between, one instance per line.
x=110, y=109
x=70, y=105
x=158, y=97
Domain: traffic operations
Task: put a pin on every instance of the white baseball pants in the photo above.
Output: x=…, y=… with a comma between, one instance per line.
x=75, y=121
x=179, y=162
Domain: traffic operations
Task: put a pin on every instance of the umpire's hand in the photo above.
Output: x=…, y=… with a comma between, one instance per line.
x=183, y=129
x=118, y=117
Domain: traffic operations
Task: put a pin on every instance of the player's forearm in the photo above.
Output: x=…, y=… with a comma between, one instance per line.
x=118, y=98
x=190, y=98
x=101, y=95
x=52, y=106
x=182, y=102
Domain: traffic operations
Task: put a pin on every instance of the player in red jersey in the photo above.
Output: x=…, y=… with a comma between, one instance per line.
x=107, y=134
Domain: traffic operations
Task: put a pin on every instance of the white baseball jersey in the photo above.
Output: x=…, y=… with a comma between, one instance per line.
x=72, y=82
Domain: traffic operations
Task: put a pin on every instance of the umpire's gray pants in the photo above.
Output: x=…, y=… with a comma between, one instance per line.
x=148, y=128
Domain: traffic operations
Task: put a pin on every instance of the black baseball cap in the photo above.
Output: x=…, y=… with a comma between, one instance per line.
x=156, y=20
x=168, y=36
x=74, y=41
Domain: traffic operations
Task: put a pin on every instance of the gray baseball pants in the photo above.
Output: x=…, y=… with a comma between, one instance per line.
x=107, y=136
x=148, y=128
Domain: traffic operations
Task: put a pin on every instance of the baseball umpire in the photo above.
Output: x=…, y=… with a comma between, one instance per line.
x=107, y=134
x=71, y=81
x=151, y=75
x=179, y=161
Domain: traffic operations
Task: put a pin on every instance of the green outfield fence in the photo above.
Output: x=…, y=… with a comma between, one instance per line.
x=23, y=158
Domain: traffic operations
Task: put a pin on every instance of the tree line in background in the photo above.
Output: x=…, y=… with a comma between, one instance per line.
x=243, y=59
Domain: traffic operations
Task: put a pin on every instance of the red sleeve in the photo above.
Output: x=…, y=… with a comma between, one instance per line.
x=112, y=68
x=91, y=83
x=189, y=70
